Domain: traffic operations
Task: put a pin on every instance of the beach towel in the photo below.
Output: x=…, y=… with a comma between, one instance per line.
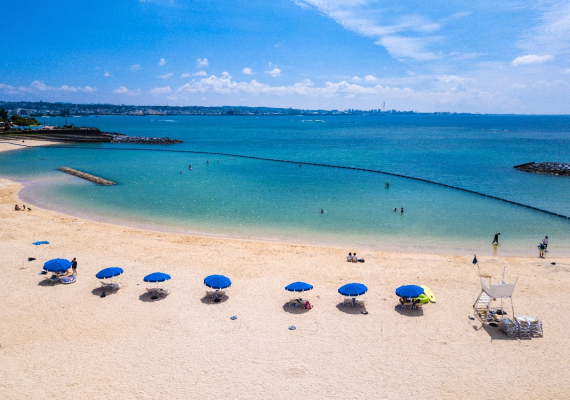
x=42, y=242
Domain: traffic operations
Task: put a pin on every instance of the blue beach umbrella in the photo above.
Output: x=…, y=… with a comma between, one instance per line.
x=409, y=291
x=353, y=289
x=57, y=265
x=156, y=277
x=109, y=273
x=298, y=287
x=217, y=282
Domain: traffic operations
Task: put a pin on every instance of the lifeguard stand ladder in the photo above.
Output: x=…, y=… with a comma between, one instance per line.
x=483, y=307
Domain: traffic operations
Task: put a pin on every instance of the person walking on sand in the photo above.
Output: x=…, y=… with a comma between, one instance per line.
x=544, y=242
x=496, y=239
x=74, y=266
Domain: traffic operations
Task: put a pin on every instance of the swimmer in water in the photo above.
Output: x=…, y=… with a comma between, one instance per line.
x=402, y=210
x=322, y=211
x=189, y=167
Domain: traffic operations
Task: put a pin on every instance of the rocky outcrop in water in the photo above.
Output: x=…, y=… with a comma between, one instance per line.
x=552, y=168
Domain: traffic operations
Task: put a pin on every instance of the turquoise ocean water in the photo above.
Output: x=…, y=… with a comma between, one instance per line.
x=266, y=200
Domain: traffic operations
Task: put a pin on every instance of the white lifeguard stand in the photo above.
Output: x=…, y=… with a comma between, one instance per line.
x=484, y=309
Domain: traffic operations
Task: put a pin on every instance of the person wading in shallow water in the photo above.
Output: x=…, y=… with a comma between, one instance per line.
x=496, y=239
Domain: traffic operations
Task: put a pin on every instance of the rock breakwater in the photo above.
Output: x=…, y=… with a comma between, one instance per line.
x=120, y=138
x=89, y=177
x=552, y=168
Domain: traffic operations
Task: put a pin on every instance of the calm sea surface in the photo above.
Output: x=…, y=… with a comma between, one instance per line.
x=260, y=199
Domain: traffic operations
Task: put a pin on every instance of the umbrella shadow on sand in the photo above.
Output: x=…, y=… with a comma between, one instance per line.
x=100, y=290
x=209, y=300
x=294, y=310
x=409, y=312
x=350, y=309
x=150, y=298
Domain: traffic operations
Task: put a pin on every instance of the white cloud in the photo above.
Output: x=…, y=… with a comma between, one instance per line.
x=531, y=59
x=165, y=76
x=202, y=62
x=247, y=71
x=552, y=35
x=406, y=47
x=452, y=79
x=160, y=90
x=566, y=71
x=199, y=73
x=107, y=74
x=135, y=67
x=406, y=38
x=127, y=92
x=275, y=72
x=370, y=79
x=162, y=62
x=39, y=87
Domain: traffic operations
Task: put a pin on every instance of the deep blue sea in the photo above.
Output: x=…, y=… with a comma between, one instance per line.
x=247, y=198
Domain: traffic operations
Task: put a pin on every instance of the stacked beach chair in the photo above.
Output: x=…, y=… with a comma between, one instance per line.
x=510, y=327
x=529, y=326
x=522, y=326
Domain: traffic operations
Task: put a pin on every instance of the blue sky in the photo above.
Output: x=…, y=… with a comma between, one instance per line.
x=500, y=57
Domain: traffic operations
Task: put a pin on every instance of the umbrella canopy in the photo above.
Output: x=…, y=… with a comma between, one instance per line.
x=353, y=289
x=298, y=287
x=157, y=277
x=217, y=282
x=409, y=291
x=57, y=265
x=109, y=273
x=42, y=242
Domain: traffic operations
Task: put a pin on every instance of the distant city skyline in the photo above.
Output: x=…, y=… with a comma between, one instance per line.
x=485, y=57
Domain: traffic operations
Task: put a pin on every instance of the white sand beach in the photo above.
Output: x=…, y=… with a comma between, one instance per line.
x=66, y=342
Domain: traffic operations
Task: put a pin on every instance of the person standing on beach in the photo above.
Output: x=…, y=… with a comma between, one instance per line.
x=74, y=266
x=496, y=239
x=544, y=241
x=541, y=249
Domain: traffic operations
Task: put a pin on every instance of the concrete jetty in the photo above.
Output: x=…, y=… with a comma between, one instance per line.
x=89, y=177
